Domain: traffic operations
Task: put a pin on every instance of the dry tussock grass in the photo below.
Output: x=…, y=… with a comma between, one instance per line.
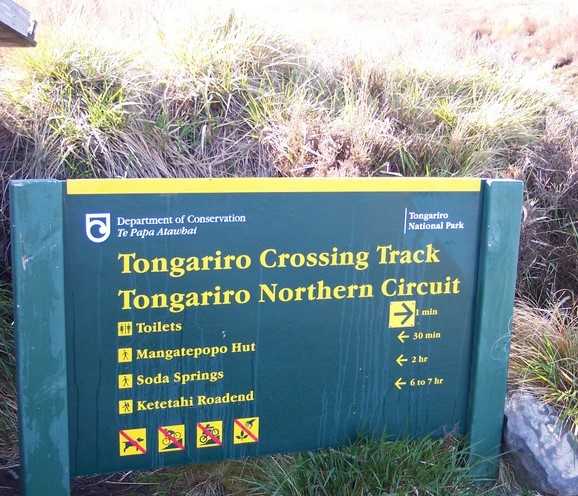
x=543, y=355
x=548, y=260
x=543, y=36
x=8, y=420
x=537, y=34
x=351, y=144
x=170, y=90
x=8, y=409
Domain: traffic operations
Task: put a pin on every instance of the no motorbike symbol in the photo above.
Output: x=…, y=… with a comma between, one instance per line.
x=209, y=434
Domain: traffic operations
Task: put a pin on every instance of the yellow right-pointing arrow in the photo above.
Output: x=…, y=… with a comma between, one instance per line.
x=400, y=383
x=400, y=360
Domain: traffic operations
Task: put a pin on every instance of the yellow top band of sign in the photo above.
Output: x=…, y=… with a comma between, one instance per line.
x=268, y=185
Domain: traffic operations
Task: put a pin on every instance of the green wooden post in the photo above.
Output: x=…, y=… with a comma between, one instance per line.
x=38, y=274
x=495, y=302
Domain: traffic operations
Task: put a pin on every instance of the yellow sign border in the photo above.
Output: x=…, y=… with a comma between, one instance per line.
x=270, y=185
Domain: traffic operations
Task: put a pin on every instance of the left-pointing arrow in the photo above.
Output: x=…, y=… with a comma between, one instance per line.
x=399, y=383
x=400, y=360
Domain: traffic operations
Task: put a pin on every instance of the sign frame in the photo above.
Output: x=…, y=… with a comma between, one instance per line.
x=39, y=298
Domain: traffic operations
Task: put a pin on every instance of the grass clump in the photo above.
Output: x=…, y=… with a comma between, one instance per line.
x=548, y=261
x=206, y=93
x=465, y=122
x=543, y=357
x=8, y=411
x=369, y=466
x=210, y=479
x=168, y=90
x=86, y=109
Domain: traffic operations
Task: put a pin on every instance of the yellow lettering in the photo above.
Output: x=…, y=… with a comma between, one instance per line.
x=126, y=257
x=316, y=291
x=126, y=293
x=401, y=287
x=263, y=258
x=387, y=255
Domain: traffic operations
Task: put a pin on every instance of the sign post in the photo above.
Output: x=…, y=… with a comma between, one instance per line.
x=39, y=313
x=216, y=319
x=494, y=310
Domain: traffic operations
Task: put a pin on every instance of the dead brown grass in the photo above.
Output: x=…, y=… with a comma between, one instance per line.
x=398, y=89
x=543, y=355
x=543, y=37
x=548, y=259
x=536, y=33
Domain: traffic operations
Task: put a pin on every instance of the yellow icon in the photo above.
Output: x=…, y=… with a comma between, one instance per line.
x=125, y=328
x=402, y=314
x=210, y=434
x=124, y=355
x=132, y=442
x=246, y=430
x=124, y=381
x=171, y=438
x=124, y=407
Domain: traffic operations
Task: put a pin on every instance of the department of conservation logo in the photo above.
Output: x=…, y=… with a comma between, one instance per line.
x=97, y=227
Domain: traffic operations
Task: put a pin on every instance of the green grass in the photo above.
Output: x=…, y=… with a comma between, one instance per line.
x=544, y=355
x=8, y=412
x=229, y=97
x=210, y=479
x=232, y=98
x=182, y=92
x=370, y=466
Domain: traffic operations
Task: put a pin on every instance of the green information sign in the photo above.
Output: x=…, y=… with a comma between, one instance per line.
x=199, y=320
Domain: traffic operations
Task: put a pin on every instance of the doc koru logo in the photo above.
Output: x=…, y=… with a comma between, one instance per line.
x=97, y=227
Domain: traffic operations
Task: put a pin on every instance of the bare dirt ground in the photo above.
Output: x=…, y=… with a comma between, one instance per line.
x=101, y=485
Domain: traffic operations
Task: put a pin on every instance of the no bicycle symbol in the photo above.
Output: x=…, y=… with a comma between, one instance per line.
x=132, y=442
x=171, y=438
